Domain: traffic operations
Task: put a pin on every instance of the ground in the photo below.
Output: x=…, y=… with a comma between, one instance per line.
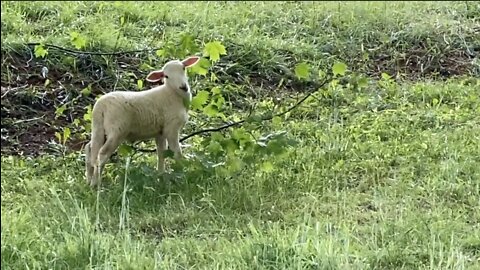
x=376, y=170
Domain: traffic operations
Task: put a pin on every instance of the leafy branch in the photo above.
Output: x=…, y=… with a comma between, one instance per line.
x=213, y=50
x=316, y=87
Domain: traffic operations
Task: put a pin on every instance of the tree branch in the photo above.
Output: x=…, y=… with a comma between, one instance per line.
x=288, y=73
x=317, y=87
x=75, y=52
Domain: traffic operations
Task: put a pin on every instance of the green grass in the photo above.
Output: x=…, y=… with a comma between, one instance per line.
x=383, y=177
x=389, y=189
x=406, y=37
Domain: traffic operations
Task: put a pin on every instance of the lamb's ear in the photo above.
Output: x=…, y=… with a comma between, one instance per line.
x=190, y=61
x=155, y=76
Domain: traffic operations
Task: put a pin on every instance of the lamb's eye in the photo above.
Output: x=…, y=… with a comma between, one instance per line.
x=166, y=76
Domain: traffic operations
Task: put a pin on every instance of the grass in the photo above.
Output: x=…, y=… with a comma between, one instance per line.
x=393, y=189
x=384, y=177
x=359, y=34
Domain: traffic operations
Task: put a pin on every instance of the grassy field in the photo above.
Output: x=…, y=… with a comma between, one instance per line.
x=384, y=176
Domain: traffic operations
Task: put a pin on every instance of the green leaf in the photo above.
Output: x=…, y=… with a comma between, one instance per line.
x=160, y=53
x=200, y=99
x=362, y=82
x=217, y=137
x=234, y=164
x=219, y=102
x=187, y=43
x=87, y=90
x=267, y=166
x=254, y=119
x=213, y=77
x=211, y=110
x=77, y=40
x=216, y=90
x=277, y=121
x=125, y=150
x=76, y=122
x=214, y=147
x=201, y=68
x=145, y=66
x=140, y=84
x=58, y=136
x=241, y=136
x=214, y=49
x=40, y=51
x=122, y=20
x=386, y=77
x=302, y=70
x=275, y=147
x=69, y=61
x=66, y=134
x=292, y=142
x=339, y=68
x=88, y=115
x=59, y=111
x=230, y=146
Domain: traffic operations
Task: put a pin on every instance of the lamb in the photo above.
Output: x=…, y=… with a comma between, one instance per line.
x=159, y=113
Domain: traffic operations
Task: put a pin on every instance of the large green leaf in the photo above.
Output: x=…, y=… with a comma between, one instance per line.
x=302, y=70
x=199, y=100
x=339, y=68
x=214, y=49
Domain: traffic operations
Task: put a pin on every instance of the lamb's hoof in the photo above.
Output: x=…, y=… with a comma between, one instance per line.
x=160, y=175
x=93, y=184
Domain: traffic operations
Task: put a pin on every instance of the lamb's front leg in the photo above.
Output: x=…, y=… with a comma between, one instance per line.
x=161, y=143
x=172, y=134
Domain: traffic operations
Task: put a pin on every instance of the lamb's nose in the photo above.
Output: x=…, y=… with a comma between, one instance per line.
x=184, y=87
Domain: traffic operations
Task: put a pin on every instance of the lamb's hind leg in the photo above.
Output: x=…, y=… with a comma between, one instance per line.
x=161, y=143
x=88, y=163
x=103, y=155
x=96, y=142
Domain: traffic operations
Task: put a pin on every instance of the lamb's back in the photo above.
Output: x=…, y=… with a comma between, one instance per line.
x=140, y=115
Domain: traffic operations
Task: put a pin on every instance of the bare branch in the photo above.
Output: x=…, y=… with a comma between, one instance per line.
x=75, y=52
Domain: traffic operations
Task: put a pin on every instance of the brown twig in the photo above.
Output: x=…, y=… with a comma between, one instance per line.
x=75, y=52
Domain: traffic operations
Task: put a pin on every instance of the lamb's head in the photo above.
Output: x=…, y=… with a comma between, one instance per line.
x=174, y=74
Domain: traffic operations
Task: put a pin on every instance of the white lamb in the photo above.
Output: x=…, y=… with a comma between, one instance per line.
x=158, y=113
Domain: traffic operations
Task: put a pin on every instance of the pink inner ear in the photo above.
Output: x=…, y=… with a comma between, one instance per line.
x=190, y=61
x=155, y=76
